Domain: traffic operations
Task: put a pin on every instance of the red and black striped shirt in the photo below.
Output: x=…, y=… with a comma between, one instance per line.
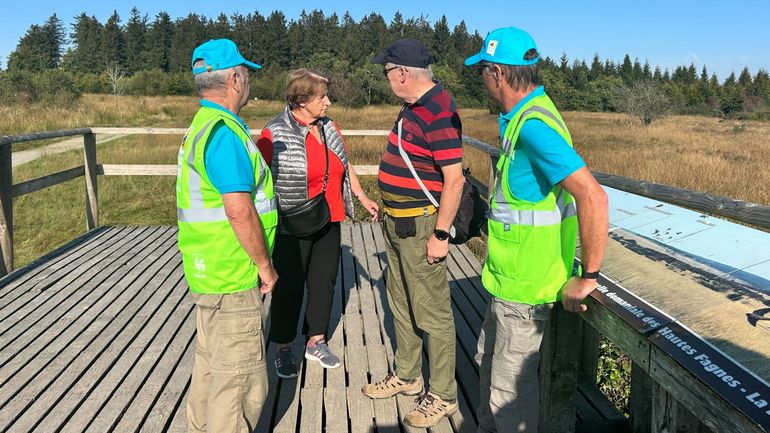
x=432, y=137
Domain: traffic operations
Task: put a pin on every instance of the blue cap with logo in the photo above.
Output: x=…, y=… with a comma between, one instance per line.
x=219, y=54
x=507, y=46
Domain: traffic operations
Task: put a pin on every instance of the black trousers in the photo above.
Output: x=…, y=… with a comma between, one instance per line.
x=312, y=260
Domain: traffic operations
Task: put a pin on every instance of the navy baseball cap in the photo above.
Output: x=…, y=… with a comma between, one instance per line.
x=507, y=46
x=219, y=54
x=406, y=52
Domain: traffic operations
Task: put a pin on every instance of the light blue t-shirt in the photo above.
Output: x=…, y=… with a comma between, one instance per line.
x=542, y=157
x=226, y=160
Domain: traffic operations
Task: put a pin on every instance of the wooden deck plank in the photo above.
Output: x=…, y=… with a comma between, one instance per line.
x=43, y=267
x=385, y=410
x=42, y=290
x=117, y=412
x=334, y=398
x=96, y=370
x=52, y=332
x=360, y=407
x=160, y=359
x=108, y=383
x=179, y=420
x=46, y=302
x=312, y=410
x=123, y=354
x=355, y=353
x=53, y=351
x=173, y=398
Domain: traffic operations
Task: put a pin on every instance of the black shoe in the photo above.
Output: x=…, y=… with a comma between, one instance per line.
x=284, y=364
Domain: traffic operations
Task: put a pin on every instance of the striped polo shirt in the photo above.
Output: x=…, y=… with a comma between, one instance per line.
x=432, y=137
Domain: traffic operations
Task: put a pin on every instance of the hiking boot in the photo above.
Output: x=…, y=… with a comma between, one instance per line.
x=320, y=352
x=429, y=411
x=392, y=385
x=284, y=364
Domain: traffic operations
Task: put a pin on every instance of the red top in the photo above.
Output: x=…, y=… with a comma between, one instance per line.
x=315, y=170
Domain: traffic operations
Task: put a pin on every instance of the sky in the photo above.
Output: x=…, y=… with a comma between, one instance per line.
x=723, y=36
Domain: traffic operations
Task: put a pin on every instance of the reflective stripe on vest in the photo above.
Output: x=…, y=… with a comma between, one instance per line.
x=508, y=215
x=531, y=245
x=214, y=214
x=213, y=259
x=503, y=212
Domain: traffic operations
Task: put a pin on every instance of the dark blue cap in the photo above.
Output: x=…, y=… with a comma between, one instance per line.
x=406, y=52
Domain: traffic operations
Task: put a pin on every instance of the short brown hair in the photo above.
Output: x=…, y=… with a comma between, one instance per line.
x=302, y=85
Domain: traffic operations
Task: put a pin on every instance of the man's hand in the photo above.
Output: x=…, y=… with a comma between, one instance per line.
x=437, y=250
x=267, y=278
x=575, y=290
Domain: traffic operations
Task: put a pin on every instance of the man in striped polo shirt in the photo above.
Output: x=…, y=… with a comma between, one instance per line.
x=429, y=131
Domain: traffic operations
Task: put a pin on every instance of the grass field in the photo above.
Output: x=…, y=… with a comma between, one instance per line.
x=729, y=158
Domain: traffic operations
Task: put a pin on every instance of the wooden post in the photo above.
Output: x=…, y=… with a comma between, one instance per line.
x=589, y=352
x=640, y=400
x=6, y=210
x=670, y=416
x=92, y=202
x=560, y=353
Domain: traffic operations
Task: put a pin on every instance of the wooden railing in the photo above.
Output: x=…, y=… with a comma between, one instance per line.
x=670, y=389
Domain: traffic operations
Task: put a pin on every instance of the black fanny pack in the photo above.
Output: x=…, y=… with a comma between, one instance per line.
x=311, y=216
x=307, y=218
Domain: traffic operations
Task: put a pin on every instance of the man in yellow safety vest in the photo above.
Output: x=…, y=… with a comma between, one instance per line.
x=227, y=216
x=543, y=196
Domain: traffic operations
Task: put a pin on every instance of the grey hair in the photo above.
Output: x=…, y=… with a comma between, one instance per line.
x=425, y=73
x=213, y=80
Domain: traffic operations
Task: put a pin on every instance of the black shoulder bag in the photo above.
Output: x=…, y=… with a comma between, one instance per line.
x=311, y=216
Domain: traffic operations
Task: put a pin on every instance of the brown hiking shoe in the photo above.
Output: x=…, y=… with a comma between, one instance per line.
x=392, y=385
x=429, y=411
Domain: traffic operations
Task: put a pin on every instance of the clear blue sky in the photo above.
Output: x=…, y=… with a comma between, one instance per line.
x=725, y=36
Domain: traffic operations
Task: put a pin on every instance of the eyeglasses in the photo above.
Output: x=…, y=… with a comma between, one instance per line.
x=386, y=70
x=480, y=68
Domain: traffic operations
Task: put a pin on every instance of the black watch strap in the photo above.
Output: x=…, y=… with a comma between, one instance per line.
x=589, y=275
x=441, y=235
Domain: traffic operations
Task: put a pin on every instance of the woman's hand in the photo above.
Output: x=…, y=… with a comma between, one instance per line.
x=370, y=206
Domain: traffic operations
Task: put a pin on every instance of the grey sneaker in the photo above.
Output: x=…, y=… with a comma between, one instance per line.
x=284, y=364
x=320, y=352
x=429, y=411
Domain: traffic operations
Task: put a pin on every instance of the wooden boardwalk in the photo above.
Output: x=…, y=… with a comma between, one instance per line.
x=99, y=336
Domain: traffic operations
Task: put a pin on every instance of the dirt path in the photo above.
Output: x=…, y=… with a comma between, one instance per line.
x=25, y=156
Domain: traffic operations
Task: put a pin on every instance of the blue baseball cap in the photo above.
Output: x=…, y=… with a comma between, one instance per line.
x=507, y=46
x=219, y=54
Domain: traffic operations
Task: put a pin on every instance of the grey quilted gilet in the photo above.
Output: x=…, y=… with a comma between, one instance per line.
x=289, y=162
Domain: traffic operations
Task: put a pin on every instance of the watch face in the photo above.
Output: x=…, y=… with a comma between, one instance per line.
x=441, y=235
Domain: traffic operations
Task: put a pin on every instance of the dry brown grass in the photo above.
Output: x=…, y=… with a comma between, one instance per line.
x=729, y=158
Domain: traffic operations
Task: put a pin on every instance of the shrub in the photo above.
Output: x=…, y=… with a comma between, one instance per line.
x=55, y=87
x=147, y=83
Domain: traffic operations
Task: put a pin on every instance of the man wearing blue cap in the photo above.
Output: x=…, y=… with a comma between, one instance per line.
x=542, y=191
x=227, y=216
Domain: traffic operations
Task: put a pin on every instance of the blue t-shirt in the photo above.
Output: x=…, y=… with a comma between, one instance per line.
x=226, y=160
x=542, y=157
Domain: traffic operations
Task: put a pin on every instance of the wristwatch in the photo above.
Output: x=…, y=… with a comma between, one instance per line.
x=588, y=275
x=441, y=235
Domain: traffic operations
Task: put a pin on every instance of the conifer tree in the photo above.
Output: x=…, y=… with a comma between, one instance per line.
x=135, y=38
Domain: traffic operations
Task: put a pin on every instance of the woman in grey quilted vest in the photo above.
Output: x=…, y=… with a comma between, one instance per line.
x=294, y=143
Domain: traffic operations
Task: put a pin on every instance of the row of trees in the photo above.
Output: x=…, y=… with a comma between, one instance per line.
x=152, y=56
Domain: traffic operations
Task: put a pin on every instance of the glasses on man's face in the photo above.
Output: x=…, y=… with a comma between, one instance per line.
x=385, y=71
x=480, y=68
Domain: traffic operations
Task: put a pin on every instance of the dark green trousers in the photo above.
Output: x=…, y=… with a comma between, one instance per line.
x=418, y=294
